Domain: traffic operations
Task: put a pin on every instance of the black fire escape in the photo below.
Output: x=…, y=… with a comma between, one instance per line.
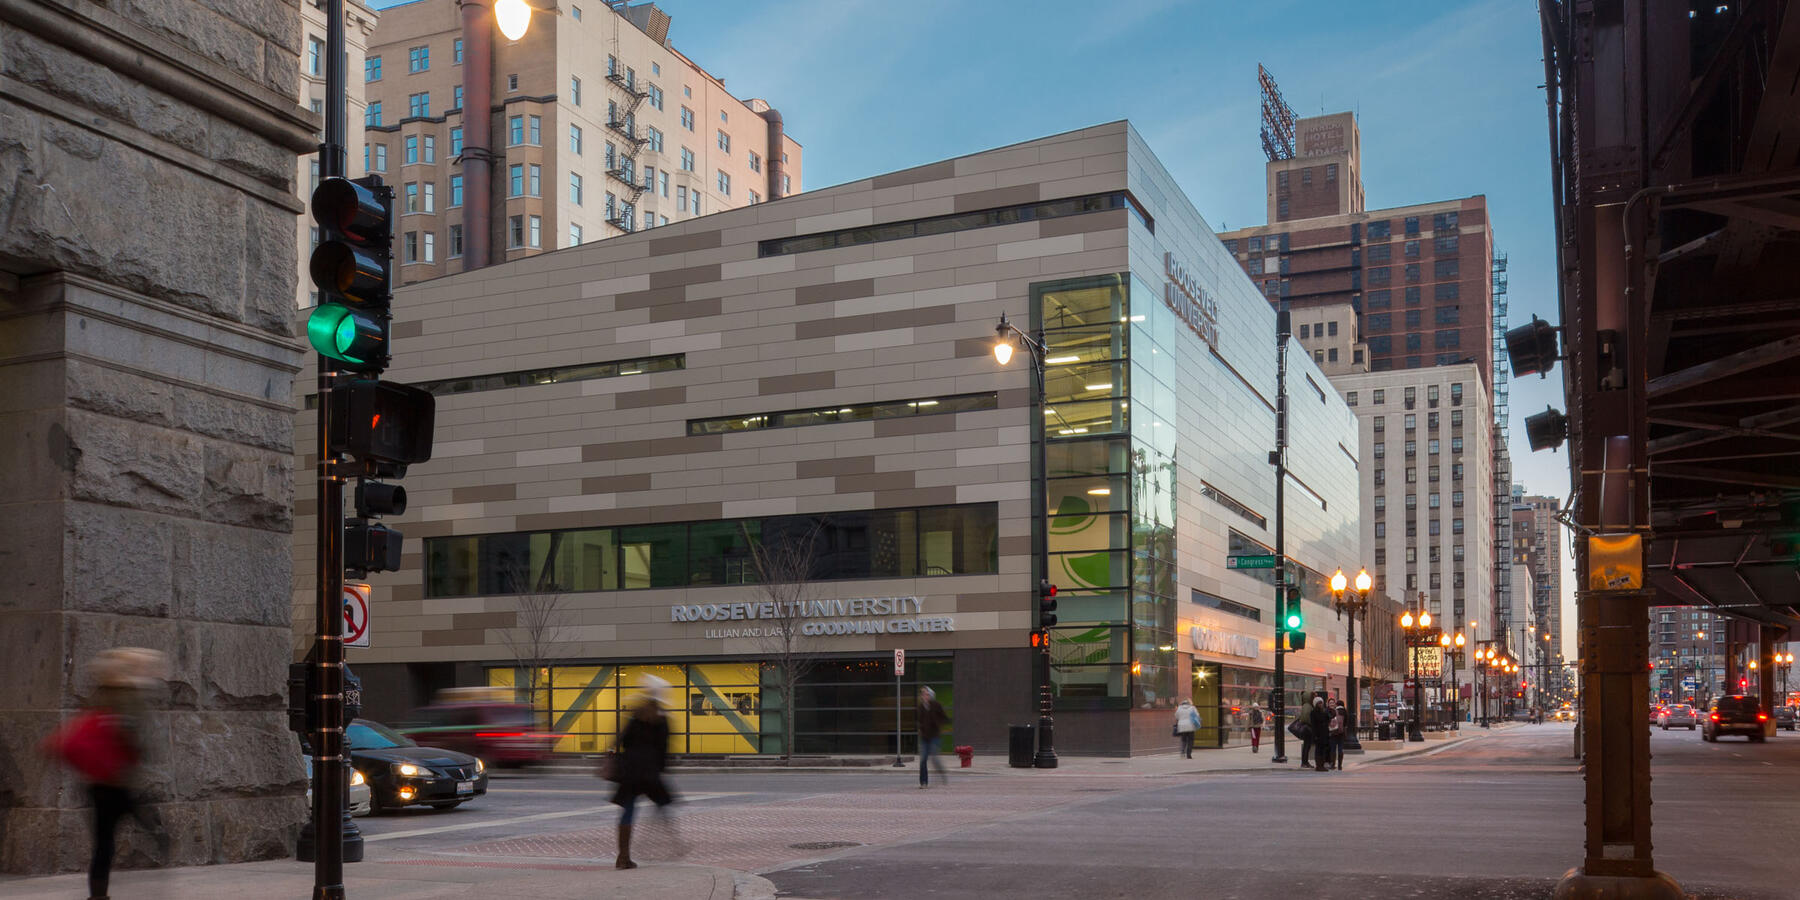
x=623, y=167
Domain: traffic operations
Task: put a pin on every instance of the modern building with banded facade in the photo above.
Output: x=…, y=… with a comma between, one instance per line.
x=621, y=423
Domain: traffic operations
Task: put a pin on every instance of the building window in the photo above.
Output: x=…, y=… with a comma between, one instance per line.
x=456, y=241
x=724, y=184
x=410, y=241
x=724, y=141
x=687, y=160
x=575, y=139
x=430, y=196
x=536, y=236
x=372, y=69
x=418, y=105
x=574, y=235
x=1456, y=499
x=756, y=198
x=755, y=162
x=687, y=118
x=315, y=58
x=515, y=185
x=649, y=219
x=1412, y=421
x=723, y=116
x=1380, y=450
x=456, y=51
x=681, y=197
x=575, y=90
x=430, y=246
x=456, y=97
x=611, y=202
x=535, y=171
x=1350, y=398
x=1331, y=354
x=1331, y=329
x=412, y=149
x=512, y=83
x=515, y=232
x=576, y=12
x=418, y=59
x=456, y=191
x=787, y=184
x=656, y=96
x=411, y=194
x=655, y=139
x=515, y=130
x=575, y=189
x=372, y=115
x=534, y=127
x=662, y=182
x=1303, y=332
x=430, y=154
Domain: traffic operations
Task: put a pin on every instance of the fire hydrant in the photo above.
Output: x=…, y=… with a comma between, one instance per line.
x=967, y=754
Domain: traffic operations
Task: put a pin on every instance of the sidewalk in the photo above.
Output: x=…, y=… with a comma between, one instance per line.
x=1230, y=760
x=409, y=879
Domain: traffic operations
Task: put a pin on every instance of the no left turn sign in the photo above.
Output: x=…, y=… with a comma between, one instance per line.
x=356, y=614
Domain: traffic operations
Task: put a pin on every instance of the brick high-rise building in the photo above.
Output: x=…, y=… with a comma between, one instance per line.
x=1538, y=536
x=1398, y=288
x=599, y=127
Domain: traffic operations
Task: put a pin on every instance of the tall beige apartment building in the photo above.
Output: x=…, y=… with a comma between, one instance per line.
x=359, y=24
x=599, y=127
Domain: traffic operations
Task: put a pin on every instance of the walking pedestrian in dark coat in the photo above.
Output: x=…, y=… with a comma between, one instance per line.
x=643, y=754
x=1320, y=722
x=931, y=720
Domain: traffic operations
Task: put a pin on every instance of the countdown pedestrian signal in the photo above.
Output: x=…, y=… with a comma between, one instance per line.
x=353, y=269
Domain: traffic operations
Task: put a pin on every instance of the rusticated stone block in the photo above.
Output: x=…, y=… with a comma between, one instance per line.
x=225, y=574
x=136, y=466
x=234, y=754
x=255, y=827
x=197, y=28
x=244, y=667
x=54, y=69
x=232, y=420
x=121, y=560
x=45, y=839
x=270, y=273
x=250, y=487
x=122, y=395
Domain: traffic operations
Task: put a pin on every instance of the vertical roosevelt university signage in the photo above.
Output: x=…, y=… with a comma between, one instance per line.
x=1194, y=304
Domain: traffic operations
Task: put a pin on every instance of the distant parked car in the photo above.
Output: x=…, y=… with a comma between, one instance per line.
x=1736, y=714
x=1784, y=717
x=1678, y=715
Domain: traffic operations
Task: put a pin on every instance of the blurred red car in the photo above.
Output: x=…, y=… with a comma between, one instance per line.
x=478, y=722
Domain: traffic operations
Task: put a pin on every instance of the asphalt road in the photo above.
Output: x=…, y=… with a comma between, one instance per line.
x=1489, y=819
x=1498, y=818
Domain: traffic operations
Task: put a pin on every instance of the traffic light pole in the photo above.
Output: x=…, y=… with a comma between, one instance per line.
x=330, y=763
x=1046, y=749
x=1278, y=697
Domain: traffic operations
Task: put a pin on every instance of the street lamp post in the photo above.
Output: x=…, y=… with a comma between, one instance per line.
x=1414, y=640
x=1357, y=605
x=1452, y=647
x=1005, y=334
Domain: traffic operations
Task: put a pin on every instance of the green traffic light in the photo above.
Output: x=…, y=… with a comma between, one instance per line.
x=1293, y=620
x=346, y=335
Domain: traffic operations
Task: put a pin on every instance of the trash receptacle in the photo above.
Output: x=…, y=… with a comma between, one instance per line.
x=1383, y=732
x=1019, y=746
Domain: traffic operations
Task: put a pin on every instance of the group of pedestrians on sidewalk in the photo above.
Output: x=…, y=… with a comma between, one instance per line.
x=1320, y=729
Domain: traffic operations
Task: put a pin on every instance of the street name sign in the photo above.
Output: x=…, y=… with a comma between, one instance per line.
x=1266, y=561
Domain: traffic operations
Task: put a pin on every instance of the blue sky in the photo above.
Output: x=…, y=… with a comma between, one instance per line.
x=1447, y=94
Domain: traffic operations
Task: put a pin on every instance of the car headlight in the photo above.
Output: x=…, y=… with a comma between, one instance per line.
x=356, y=777
x=407, y=769
x=480, y=767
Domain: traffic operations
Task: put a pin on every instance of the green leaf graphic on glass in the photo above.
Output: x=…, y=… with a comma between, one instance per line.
x=1073, y=516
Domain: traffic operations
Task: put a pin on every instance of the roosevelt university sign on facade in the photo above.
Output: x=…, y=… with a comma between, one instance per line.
x=147, y=276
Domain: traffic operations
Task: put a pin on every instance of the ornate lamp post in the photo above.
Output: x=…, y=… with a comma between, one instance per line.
x=1005, y=334
x=1786, y=662
x=1357, y=605
x=1415, y=628
x=1452, y=647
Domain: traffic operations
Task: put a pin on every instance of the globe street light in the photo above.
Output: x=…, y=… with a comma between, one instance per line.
x=1416, y=637
x=513, y=17
x=1005, y=334
x=1357, y=605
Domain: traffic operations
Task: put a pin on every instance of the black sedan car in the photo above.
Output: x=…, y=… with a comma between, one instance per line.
x=402, y=773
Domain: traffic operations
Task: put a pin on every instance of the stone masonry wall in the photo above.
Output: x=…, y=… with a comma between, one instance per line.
x=147, y=355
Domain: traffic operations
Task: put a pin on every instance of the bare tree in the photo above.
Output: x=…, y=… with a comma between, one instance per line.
x=784, y=573
x=537, y=626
